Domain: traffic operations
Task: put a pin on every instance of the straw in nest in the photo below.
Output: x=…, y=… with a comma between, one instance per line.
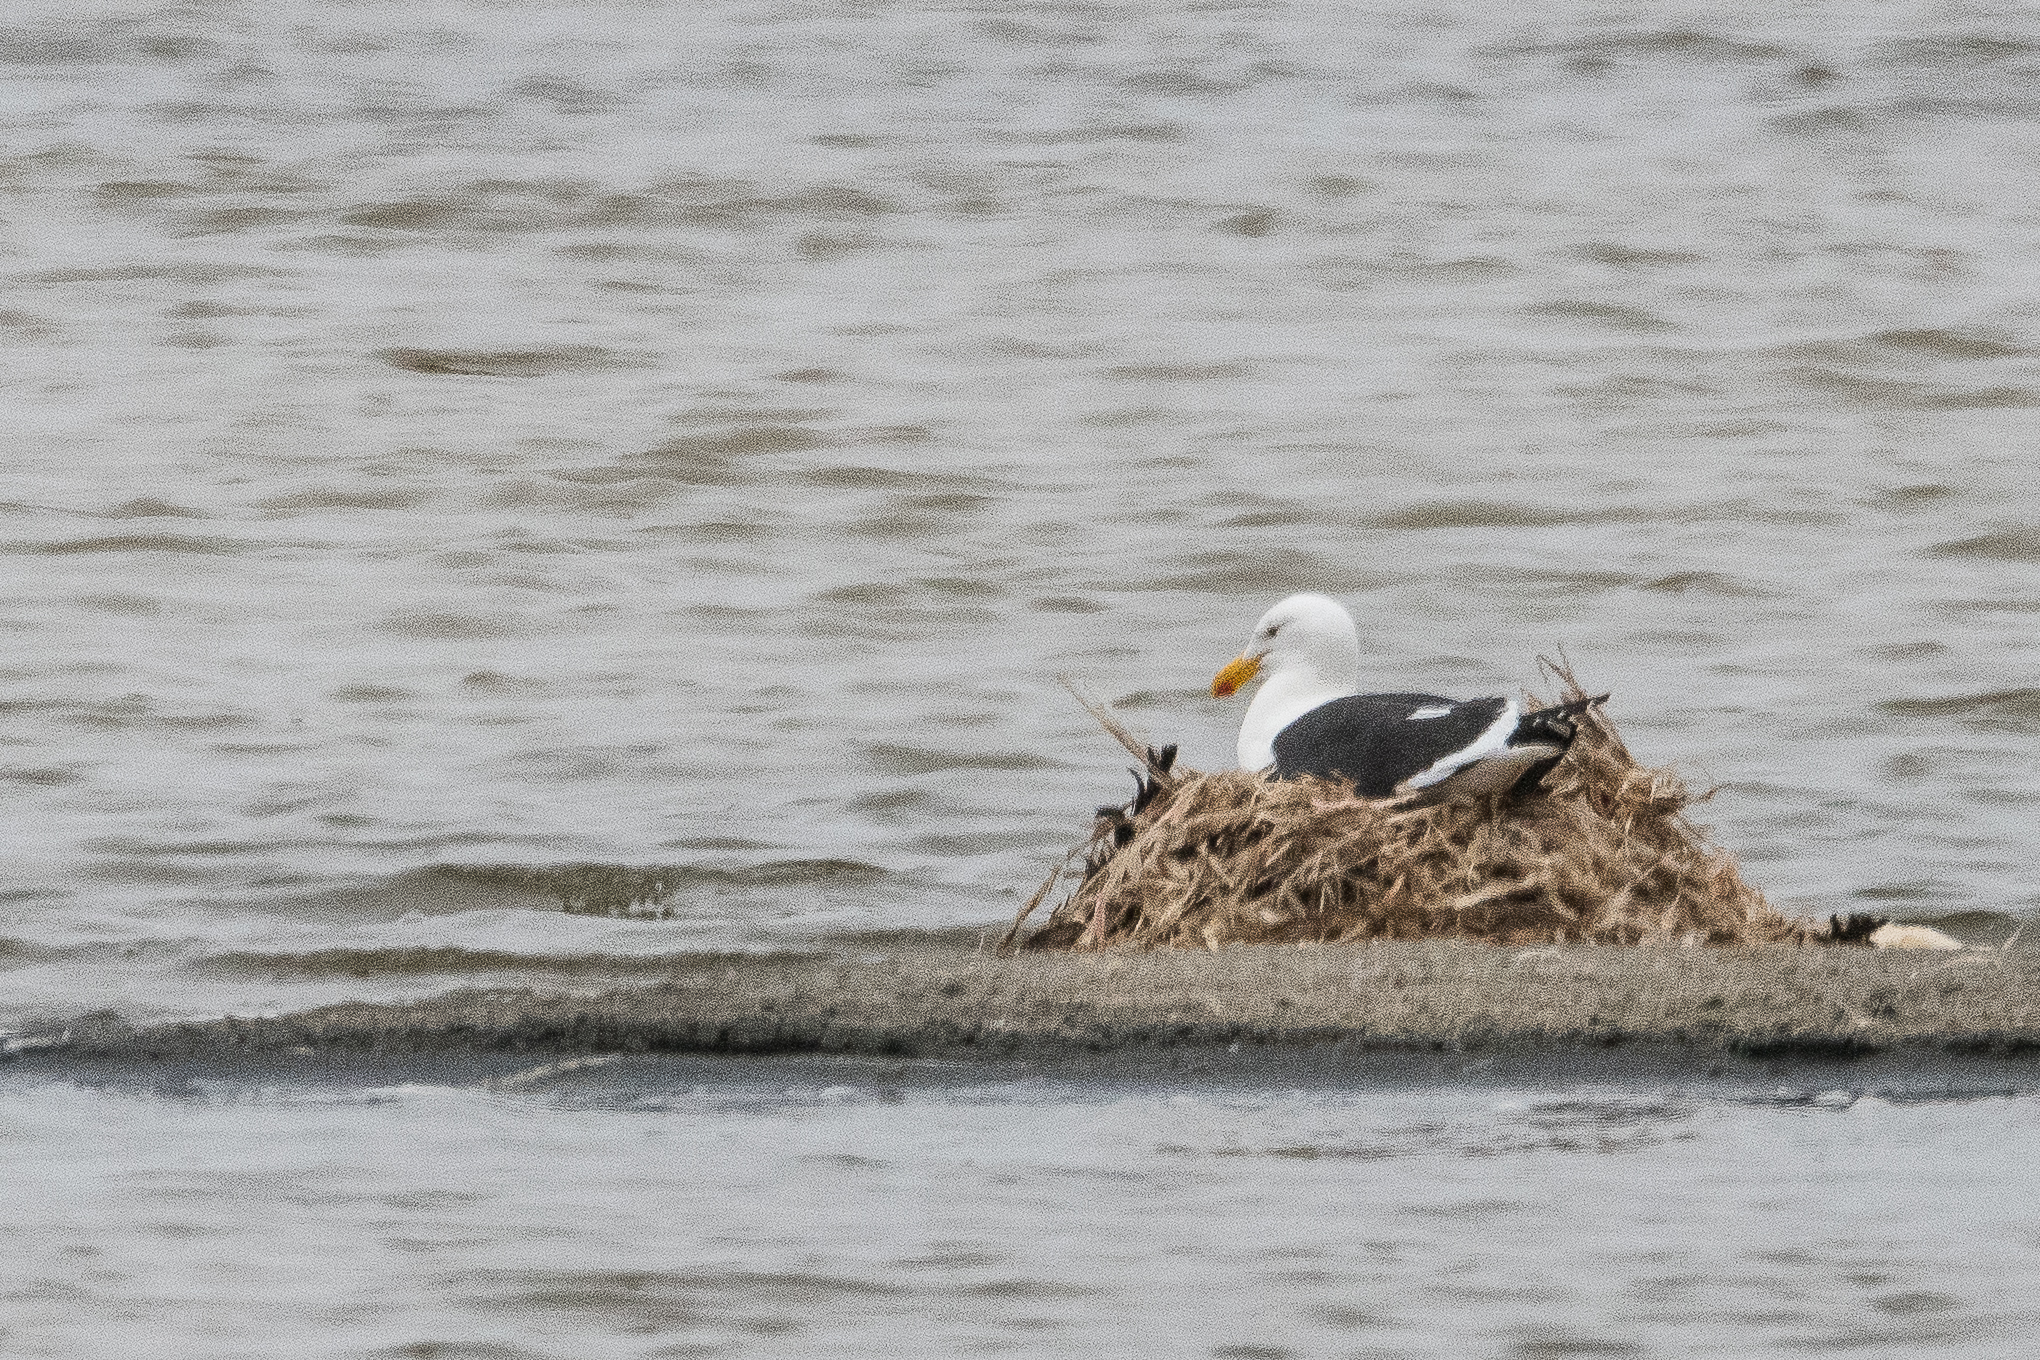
x=1603, y=853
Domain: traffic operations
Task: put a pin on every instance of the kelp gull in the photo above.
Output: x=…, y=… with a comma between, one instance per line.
x=1307, y=719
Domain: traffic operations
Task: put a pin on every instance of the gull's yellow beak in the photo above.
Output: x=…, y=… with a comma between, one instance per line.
x=1237, y=672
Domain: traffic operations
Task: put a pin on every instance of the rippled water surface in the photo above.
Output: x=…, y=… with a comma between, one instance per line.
x=849, y=1210
x=695, y=436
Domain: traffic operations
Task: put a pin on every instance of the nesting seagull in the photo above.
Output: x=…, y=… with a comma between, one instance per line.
x=1307, y=719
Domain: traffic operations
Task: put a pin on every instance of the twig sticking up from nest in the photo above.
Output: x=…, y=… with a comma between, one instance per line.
x=1112, y=725
x=1602, y=853
x=1118, y=823
x=1013, y=932
x=1158, y=762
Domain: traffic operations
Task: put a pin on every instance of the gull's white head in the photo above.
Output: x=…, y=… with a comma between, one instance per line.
x=1310, y=653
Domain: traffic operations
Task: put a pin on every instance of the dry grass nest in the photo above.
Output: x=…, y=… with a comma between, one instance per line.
x=1603, y=853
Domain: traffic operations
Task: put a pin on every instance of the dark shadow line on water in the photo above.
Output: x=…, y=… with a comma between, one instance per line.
x=1813, y=1082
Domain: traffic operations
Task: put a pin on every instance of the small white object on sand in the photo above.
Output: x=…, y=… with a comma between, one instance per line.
x=1896, y=935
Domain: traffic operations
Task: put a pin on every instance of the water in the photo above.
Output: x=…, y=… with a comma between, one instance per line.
x=783, y=1210
x=696, y=436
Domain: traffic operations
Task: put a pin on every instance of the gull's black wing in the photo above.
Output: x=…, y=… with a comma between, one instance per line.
x=1379, y=740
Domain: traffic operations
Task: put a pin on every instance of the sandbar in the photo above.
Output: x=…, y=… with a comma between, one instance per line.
x=953, y=1002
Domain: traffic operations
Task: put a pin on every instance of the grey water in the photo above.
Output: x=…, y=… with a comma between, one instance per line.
x=795, y=1208
x=697, y=436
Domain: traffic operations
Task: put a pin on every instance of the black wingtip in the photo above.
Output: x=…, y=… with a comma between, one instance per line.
x=1557, y=725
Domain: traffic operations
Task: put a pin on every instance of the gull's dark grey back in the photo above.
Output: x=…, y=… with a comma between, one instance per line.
x=1372, y=740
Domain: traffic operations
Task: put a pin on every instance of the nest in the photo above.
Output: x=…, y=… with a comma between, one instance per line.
x=1603, y=853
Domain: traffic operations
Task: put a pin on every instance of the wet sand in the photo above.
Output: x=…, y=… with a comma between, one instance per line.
x=951, y=1002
